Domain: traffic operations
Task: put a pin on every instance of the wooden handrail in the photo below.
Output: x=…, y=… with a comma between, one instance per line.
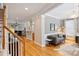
x=5, y=27
x=19, y=38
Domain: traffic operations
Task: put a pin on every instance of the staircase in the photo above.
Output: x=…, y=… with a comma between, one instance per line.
x=4, y=53
x=1, y=32
x=12, y=45
x=1, y=26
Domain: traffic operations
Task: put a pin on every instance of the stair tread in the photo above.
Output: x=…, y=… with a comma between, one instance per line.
x=4, y=53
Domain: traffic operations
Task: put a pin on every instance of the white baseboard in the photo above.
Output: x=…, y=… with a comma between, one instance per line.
x=39, y=44
x=43, y=46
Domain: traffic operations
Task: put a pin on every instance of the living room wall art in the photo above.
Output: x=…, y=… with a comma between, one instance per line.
x=52, y=27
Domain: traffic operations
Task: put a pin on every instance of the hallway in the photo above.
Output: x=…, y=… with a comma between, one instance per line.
x=41, y=25
x=35, y=50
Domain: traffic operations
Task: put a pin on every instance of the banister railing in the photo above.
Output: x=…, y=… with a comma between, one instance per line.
x=15, y=42
x=13, y=38
x=13, y=33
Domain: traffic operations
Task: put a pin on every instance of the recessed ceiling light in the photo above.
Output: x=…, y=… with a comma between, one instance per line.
x=26, y=8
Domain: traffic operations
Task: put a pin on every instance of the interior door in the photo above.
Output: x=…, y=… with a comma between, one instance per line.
x=70, y=28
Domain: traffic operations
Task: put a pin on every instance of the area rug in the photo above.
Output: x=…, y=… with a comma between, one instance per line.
x=69, y=50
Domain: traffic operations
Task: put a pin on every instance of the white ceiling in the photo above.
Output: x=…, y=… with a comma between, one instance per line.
x=17, y=10
x=66, y=10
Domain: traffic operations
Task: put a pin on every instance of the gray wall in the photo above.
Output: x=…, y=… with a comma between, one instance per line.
x=49, y=20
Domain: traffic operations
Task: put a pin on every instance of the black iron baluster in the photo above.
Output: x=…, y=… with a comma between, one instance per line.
x=9, y=42
x=17, y=48
x=12, y=46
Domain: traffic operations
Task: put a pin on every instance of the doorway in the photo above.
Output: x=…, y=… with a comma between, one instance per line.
x=70, y=29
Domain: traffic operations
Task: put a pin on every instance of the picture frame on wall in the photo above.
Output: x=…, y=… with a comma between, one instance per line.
x=52, y=27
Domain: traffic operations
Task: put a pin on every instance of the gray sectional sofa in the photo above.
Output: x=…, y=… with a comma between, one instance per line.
x=56, y=39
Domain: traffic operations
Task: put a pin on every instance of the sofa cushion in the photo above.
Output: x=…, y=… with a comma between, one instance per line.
x=51, y=36
x=60, y=35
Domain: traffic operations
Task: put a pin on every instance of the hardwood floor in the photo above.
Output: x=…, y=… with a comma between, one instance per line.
x=34, y=50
